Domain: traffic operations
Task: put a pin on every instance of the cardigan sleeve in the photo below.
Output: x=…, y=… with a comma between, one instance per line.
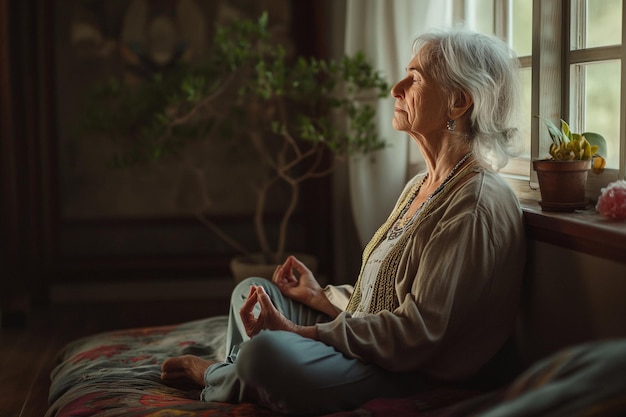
x=458, y=302
x=338, y=295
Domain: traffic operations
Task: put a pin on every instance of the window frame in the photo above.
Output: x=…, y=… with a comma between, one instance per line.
x=588, y=231
x=550, y=64
x=574, y=56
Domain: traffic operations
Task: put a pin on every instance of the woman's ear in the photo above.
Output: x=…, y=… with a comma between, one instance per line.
x=461, y=103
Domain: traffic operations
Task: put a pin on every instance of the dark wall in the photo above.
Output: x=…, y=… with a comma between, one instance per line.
x=40, y=245
x=24, y=121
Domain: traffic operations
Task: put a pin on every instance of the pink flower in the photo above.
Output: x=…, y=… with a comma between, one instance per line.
x=612, y=200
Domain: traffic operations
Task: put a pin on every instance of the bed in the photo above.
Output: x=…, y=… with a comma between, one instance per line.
x=118, y=374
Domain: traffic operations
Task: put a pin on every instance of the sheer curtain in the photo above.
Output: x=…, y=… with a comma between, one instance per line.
x=384, y=30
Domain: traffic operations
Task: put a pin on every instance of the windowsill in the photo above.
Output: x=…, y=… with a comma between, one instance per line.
x=583, y=230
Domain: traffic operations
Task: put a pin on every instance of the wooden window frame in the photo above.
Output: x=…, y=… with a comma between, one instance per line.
x=585, y=231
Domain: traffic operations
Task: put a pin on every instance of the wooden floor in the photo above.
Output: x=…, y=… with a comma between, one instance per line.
x=28, y=351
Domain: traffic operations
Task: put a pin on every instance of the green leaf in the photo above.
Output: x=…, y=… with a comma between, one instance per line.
x=565, y=130
x=598, y=140
x=555, y=133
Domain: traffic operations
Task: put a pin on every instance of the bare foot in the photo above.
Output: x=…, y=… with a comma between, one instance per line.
x=183, y=369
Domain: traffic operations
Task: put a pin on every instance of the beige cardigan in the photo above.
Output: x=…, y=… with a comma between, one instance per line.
x=458, y=288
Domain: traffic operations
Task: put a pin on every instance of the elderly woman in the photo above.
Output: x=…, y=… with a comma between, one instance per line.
x=438, y=290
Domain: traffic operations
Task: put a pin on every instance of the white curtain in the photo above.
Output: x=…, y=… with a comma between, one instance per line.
x=384, y=30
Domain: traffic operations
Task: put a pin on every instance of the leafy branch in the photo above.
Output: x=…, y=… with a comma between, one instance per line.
x=289, y=109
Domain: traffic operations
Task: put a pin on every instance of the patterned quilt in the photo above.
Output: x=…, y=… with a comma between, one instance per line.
x=118, y=374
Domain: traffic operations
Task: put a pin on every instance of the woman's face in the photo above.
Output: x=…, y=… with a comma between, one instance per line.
x=421, y=105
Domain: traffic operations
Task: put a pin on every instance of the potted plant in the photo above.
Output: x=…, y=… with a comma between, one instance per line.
x=288, y=109
x=563, y=177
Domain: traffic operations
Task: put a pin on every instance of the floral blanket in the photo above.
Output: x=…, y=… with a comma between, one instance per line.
x=118, y=374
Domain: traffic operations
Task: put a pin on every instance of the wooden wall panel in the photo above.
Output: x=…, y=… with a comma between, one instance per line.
x=40, y=244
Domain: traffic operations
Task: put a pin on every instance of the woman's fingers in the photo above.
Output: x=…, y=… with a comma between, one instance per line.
x=272, y=318
x=264, y=300
x=276, y=277
x=269, y=317
x=283, y=275
x=298, y=265
x=252, y=324
x=246, y=310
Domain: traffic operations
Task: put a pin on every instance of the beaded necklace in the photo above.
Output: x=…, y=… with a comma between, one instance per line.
x=384, y=295
x=401, y=224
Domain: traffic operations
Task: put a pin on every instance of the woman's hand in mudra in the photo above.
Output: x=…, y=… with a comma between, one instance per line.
x=269, y=317
x=297, y=282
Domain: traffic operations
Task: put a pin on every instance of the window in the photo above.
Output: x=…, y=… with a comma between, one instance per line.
x=570, y=53
x=511, y=21
x=596, y=78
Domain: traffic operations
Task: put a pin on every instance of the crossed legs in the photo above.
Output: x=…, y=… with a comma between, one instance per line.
x=186, y=369
x=282, y=370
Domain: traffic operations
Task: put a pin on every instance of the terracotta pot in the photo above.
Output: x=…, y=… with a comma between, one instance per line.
x=243, y=267
x=562, y=184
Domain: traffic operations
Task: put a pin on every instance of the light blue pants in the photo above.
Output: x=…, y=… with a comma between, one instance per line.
x=289, y=373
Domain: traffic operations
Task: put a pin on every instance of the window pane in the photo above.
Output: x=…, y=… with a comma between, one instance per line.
x=522, y=27
x=602, y=25
x=601, y=100
x=525, y=122
x=479, y=15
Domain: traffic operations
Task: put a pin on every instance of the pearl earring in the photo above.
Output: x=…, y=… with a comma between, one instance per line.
x=451, y=124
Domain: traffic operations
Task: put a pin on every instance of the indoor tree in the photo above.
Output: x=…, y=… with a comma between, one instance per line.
x=294, y=111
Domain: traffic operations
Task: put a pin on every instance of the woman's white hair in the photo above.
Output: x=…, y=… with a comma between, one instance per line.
x=485, y=68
